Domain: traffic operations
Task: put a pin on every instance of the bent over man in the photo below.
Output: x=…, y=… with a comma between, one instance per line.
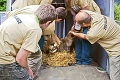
x=19, y=35
x=104, y=31
x=35, y=60
x=82, y=47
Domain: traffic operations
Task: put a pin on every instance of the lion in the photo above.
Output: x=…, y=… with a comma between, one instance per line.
x=56, y=52
x=54, y=44
x=51, y=43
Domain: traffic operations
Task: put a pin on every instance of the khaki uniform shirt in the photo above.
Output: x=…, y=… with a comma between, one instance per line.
x=22, y=3
x=14, y=35
x=31, y=10
x=106, y=32
x=83, y=3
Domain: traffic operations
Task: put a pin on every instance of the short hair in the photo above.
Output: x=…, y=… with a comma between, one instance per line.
x=46, y=12
x=61, y=12
x=86, y=20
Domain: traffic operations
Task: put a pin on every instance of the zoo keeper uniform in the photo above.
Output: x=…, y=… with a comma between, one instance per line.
x=106, y=32
x=16, y=33
x=31, y=10
x=34, y=58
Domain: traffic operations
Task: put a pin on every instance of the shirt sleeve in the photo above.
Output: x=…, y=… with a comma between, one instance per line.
x=96, y=32
x=46, y=2
x=30, y=42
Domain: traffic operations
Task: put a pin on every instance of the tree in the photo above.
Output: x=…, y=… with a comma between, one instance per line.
x=117, y=12
x=3, y=5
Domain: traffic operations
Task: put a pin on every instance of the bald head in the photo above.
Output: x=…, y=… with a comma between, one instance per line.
x=83, y=17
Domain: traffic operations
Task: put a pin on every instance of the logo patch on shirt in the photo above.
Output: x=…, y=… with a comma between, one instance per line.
x=105, y=23
x=18, y=19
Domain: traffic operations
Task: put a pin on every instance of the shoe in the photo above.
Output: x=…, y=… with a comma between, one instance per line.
x=78, y=62
x=85, y=63
x=100, y=69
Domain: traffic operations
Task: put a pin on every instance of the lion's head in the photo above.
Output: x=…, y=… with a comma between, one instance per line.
x=51, y=43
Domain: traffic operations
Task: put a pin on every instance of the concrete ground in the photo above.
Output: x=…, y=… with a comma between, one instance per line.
x=75, y=72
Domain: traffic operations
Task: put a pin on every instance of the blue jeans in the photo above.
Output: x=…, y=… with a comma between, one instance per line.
x=83, y=49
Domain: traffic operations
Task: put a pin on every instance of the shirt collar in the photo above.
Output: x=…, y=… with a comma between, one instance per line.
x=37, y=20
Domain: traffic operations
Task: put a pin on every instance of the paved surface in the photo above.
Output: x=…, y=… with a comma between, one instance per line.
x=76, y=72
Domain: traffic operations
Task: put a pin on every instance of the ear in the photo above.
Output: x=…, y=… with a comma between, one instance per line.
x=83, y=24
x=48, y=22
x=60, y=19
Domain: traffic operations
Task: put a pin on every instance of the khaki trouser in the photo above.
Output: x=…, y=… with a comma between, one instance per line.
x=35, y=61
x=114, y=64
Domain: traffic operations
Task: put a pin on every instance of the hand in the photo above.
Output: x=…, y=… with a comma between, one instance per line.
x=72, y=32
x=30, y=72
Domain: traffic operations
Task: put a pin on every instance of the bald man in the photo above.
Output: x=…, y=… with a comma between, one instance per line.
x=104, y=31
x=82, y=47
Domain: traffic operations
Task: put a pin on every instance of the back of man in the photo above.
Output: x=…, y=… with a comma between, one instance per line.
x=81, y=4
x=106, y=32
x=22, y=3
x=16, y=34
x=31, y=10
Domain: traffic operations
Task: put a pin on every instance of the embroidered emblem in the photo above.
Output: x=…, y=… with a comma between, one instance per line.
x=18, y=19
x=105, y=23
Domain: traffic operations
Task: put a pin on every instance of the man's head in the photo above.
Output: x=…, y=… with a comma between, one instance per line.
x=83, y=19
x=46, y=14
x=61, y=13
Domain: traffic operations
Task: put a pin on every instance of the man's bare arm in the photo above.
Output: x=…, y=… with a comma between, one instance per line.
x=21, y=59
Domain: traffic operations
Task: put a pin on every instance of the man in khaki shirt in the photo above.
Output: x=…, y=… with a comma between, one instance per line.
x=35, y=59
x=76, y=5
x=104, y=31
x=82, y=47
x=22, y=3
x=19, y=35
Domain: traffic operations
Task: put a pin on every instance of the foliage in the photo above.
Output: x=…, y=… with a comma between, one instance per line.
x=117, y=12
x=3, y=5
